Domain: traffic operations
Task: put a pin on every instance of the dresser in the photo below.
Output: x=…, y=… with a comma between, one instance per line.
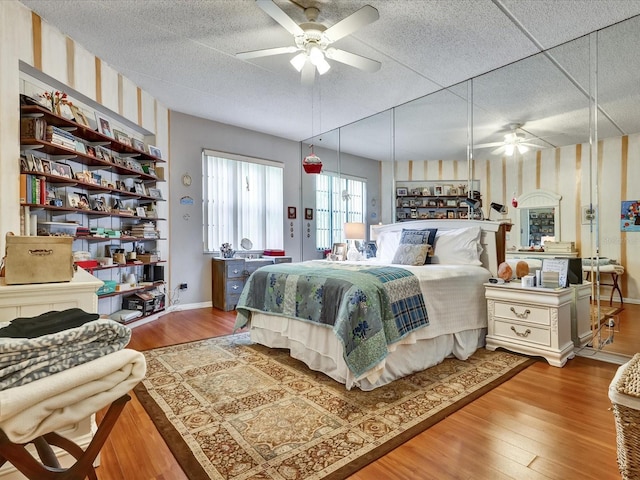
x=229, y=274
x=531, y=320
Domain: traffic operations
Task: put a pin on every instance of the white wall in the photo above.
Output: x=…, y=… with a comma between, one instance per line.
x=189, y=135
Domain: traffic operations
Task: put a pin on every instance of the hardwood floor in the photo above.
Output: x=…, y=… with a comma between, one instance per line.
x=545, y=423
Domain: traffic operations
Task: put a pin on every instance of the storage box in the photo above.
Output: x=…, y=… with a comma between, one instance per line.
x=147, y=257
x=38, y=259
x=57, y=228
x=271, y=252
x=87, y=264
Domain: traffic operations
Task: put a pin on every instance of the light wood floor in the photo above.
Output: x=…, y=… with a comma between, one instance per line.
x=545, y=423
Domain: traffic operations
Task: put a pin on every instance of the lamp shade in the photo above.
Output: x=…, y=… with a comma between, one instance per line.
x=498, y=207
x=355, y=231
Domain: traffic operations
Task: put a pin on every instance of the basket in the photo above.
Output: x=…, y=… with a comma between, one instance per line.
x=624, y=393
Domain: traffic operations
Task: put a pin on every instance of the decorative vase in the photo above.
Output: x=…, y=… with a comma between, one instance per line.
x=228, y=254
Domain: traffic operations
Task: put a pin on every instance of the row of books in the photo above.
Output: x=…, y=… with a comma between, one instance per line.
x=35, y=190
x=60, y=137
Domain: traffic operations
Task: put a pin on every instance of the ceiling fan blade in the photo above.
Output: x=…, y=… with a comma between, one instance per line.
x=498, y=150
x=357, y=61
x=308, y=74
x=350, y=24
x=265, y=52
x=279, y=16
x=487, y=145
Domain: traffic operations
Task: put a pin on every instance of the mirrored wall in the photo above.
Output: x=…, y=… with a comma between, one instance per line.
x=564, y=121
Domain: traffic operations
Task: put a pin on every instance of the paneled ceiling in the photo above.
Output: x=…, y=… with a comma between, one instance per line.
x=183, y=53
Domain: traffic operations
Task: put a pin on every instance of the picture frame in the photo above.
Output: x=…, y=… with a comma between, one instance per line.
x=452, y=202
x=139, y=188
x=104, y=127
x=24, y=166
x=79, y=116
x=73, y=200
x=83, y=201
x=140, y=212
x=339, y=251
x=308, y=213
x=291, y=213
x=99, y=204
x=37, y=164
x=453, y=191
x=46, y=166
x=437, y=190
x=137, y=144
x=402, y=191
x=61, y=170
x=155, y=151
x=155, y=193
x=451, y=214
x=122, y=137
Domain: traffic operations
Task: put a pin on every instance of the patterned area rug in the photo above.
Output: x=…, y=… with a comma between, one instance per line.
x=229, y=409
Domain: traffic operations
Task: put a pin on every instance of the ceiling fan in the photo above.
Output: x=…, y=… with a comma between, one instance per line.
x=313, y=41
x=514, y=141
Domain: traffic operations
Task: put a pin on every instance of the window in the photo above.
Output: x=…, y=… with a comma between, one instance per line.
x=242, y=198
x=338, y=200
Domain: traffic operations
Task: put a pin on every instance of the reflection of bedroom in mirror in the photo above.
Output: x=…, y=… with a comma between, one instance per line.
x=552, y=111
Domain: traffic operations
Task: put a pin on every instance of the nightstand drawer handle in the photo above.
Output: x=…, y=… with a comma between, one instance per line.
x=236, y=271
x=524, y=314
x=235, y=287
x=525, y=334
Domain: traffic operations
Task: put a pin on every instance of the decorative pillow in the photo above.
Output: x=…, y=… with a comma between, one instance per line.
x=460, y=246
x=425, y=236
x=411, y=254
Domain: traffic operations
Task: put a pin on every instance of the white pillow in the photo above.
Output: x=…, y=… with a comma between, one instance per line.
x=388, y=245
x=460, y=246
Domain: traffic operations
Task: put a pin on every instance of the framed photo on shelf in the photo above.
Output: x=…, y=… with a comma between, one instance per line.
x=73, y=200
x=155, y=151
x=122, y=137
x=83, y=201
x=402, y=192
x=79, y=116
x=137, y=144
x=140, y=212
x=61, y=169
x=46, y=167
x=155, y=193
x=103, y=125
x=438, y=190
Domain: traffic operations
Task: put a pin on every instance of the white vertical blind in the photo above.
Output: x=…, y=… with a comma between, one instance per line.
x=338, y=200
x=242, y=198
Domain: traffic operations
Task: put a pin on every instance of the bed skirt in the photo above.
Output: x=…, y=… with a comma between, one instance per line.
x=320, y=349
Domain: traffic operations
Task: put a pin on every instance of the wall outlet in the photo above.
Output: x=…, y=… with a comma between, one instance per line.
x=183, y=286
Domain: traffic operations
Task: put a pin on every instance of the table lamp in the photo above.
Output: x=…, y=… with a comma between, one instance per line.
x=354, y=231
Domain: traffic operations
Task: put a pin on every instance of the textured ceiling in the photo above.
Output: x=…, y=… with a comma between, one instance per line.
x=183, y=53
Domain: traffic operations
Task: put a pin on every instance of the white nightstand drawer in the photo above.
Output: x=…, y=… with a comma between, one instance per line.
x=523, y=313
x=523, y=333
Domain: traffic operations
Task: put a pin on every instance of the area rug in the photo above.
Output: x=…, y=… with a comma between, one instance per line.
x=229, y=409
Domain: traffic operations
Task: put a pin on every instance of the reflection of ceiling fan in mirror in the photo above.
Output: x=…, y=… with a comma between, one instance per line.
x=313, y=41
x=515, y=140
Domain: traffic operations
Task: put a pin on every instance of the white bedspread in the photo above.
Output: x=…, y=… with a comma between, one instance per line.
x=65, y=398
x=454, y=297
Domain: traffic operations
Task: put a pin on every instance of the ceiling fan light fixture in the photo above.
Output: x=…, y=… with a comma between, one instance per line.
x=509, y=149
x=522, y=148
x=323, y=66
x=315, y=54
x=298, y=61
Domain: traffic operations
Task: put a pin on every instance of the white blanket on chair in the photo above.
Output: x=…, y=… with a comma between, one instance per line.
x=65, y=398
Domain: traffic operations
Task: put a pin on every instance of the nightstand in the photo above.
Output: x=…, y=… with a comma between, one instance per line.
x=530, y=320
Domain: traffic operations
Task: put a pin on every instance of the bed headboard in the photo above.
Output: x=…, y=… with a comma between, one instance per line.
x=492, y=238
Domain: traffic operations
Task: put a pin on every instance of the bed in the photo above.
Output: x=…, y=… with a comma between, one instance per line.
x=449, y=288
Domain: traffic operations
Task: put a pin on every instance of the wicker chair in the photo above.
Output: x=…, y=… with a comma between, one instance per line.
x=624, y=393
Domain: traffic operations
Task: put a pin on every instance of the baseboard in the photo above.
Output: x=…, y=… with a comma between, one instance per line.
x=172, y=308
x=603, y=356
x=190, y=306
